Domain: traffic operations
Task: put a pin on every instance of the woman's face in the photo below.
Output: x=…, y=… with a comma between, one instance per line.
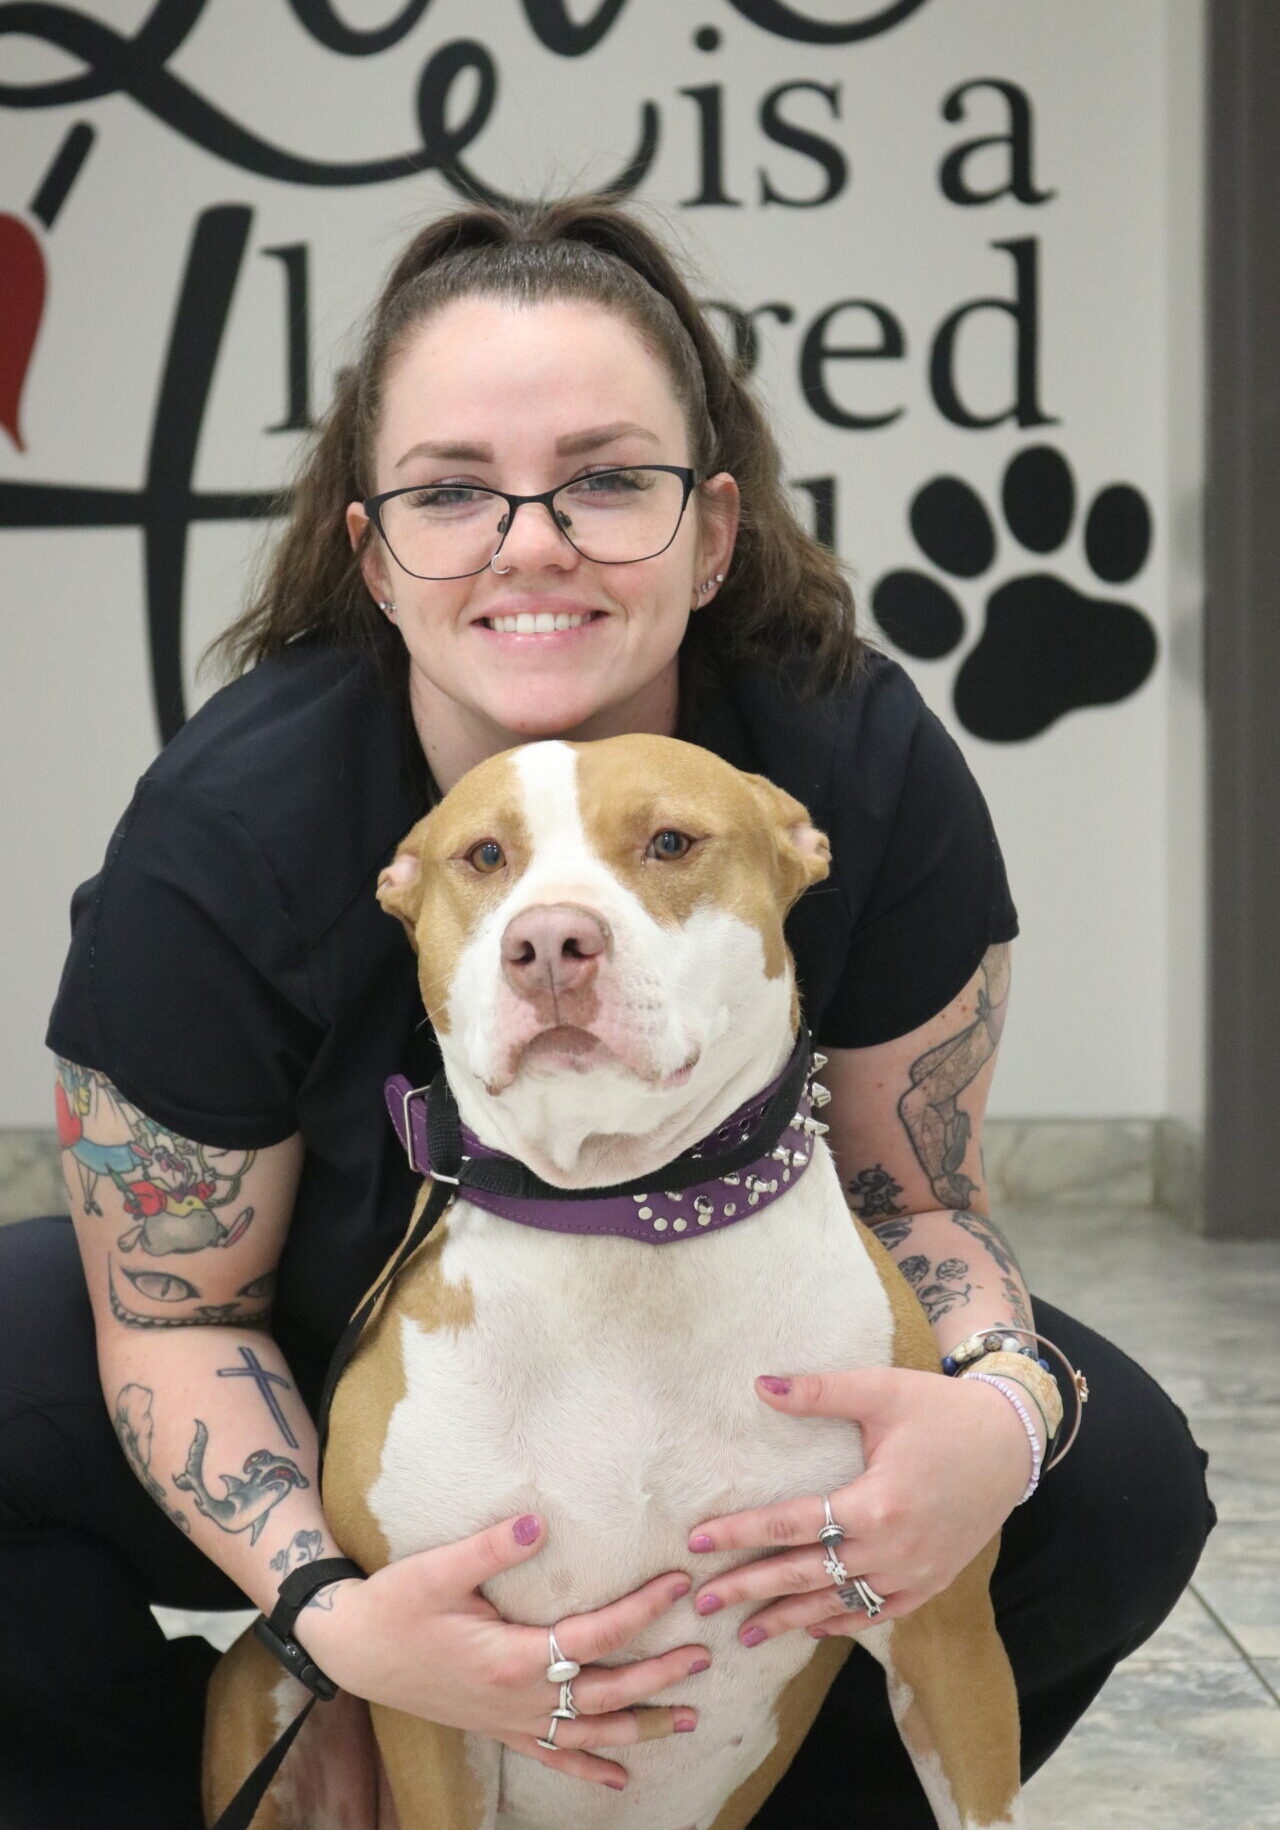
x=525, y=398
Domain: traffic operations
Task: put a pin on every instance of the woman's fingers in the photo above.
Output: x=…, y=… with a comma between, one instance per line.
x=474, y=1560
x=600, y=1689
x=621, y=1728
x=587, y=1637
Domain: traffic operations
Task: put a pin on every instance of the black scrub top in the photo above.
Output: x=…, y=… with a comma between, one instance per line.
x=232, y=973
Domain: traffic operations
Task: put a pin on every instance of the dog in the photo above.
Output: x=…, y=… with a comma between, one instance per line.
x=599, y=930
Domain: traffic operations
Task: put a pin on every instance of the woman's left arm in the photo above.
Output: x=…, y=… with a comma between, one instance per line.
x=946, y=1460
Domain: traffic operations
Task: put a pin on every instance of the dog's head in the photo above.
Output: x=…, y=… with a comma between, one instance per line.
x=612, y=910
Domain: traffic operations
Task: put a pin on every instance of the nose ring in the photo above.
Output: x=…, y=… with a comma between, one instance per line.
x=495, y=567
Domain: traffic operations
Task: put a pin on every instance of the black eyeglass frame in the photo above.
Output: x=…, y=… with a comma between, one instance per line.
x=373, y=509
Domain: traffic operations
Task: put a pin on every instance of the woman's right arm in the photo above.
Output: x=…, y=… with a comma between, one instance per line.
x=180, y=1244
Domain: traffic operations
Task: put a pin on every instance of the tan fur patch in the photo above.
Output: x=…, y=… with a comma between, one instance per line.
x=631, y=788
x=448, y=897
x=431, y=1779
x=794, y=1711
x=239, y=1727
x=373, y=1384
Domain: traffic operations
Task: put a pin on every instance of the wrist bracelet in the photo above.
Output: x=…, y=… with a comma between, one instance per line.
x=1005, y=1386
x=975, y=1348
x=276, y=1633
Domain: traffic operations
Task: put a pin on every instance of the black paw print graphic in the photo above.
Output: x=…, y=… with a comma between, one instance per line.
x=1046, y=649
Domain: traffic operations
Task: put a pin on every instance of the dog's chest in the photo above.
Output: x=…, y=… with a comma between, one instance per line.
x=609, y=1386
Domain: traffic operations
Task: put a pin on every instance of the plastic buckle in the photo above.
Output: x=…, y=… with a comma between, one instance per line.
x=296, y=1660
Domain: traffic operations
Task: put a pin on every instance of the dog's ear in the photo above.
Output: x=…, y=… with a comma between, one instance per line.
x=804, y=853
x=400, y=884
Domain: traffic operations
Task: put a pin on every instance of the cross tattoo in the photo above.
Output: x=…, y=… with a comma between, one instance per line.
x=255, y=1370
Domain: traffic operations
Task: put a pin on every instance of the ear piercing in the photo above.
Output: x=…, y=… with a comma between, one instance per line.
x=387, y=607
x=706, y=586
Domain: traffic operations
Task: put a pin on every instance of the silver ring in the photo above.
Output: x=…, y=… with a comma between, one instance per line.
x=500, y=570
x=829, y=1537
x=550, y=1741
x=860, y=1594
x=559, y=1668
x=568, y=1708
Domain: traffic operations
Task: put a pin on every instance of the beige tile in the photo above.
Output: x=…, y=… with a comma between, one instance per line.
x=1167, y=1747
x=1239, y=1578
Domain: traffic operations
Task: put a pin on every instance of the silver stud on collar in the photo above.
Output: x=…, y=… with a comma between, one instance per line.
x=659, y=1225
x=820, y=1095
x=820, y=1061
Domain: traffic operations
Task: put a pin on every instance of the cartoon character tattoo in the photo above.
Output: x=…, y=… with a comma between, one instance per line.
x=171, y=1186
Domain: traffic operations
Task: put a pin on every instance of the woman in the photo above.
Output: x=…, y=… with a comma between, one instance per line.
x=233, y=1000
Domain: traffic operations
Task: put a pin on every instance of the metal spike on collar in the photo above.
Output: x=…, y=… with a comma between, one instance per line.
x=819, y=1094
x=819, y=1062
x=815, y=1127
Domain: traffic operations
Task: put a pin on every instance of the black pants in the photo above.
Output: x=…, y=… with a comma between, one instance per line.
x=100, y=1716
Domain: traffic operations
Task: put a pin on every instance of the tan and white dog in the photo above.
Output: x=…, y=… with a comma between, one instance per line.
x=602, y=1003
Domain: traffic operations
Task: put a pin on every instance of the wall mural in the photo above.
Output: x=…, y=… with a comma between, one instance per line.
x=1030, y=646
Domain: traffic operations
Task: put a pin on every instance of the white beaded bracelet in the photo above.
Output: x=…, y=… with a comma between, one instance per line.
x=1037, y=1454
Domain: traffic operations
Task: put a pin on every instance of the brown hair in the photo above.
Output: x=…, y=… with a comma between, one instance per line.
x=786, y=599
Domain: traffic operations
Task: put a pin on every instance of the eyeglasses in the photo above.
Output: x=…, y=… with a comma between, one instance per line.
x=440, y=531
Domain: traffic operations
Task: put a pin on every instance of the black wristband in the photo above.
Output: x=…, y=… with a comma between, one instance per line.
x=276, y=1633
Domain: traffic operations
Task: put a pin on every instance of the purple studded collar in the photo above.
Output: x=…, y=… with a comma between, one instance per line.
x=751, y=1159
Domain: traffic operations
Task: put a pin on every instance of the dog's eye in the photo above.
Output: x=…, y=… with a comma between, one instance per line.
x=487, y=857
x=669, y=844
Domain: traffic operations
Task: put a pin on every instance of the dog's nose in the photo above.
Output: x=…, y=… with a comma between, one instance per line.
x=554, y=947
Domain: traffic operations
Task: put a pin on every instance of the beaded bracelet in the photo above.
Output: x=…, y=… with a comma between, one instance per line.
x=975, y=1347
x=1004, y=1385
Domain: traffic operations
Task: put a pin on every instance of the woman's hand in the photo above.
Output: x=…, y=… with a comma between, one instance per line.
x=946, y=1462
x=418, y=1637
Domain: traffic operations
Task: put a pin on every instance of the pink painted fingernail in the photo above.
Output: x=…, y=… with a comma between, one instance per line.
x=817, y=1632
x=685, y=1725
x=699, y=1664
x=526, y=1529
x=701, y=1542
x=753, y=1636
x=681, y=1589
x=616, y=1785
x=707, y=1604
x=779, y=1387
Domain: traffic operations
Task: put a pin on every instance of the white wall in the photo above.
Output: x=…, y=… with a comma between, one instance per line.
x=1100, y=815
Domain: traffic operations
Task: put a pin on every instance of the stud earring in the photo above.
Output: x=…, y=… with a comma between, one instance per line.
x=388, y=608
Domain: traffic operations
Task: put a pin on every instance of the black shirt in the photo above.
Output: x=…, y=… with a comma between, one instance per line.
x=231, y=972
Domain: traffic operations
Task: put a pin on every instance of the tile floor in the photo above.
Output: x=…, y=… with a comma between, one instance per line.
x=1187, y=1733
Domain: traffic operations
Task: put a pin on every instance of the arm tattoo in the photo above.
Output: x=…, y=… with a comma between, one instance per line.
x=930, y=1112
x=871, y=1194
x=132, y=1422
x=163, y=1288
x=952, y=1282
x=305, y=1547
x=247, y=1501
x=169, y=1186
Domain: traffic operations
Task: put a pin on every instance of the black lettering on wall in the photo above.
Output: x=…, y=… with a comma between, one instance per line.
x=1025, y=311
x=563, y=35
x=744, y=351
x=788, y=22
x=816, y=353
x=823, y=152
x=708, y=99
x=1018, y=181
x=822, y=493
x=297, y=321
x=320, y=20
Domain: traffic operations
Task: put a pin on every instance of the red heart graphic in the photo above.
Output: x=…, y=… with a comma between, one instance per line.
x=21, y=303
x=69, y=1126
